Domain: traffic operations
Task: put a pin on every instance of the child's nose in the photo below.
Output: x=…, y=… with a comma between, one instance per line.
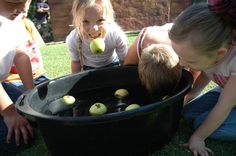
x=95, y=27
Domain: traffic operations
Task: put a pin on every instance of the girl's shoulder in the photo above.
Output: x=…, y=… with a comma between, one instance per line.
x=116, y=32
x=163, y=28
x=157, y=34
x=114, y=27
x=73, y=35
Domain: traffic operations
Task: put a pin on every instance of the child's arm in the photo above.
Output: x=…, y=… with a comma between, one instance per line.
x=75, y=67
x=73, y=47
x=5, y=99
x=16, y=124
x=199, y=84
x=120, y=41
x=215, y=118
x=23, y=65
x=132, y=57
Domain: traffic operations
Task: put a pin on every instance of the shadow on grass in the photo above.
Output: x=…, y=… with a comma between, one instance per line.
x=37, y=149
x=172, y=149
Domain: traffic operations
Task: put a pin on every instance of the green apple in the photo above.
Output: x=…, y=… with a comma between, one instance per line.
x=121, y=93
x=97, y=109
x=97, y=46
x=68, y=99
x=132, y=106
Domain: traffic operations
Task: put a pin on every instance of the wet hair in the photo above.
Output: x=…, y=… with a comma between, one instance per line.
x=79, y=7
x=158, y=70
x=202, y=28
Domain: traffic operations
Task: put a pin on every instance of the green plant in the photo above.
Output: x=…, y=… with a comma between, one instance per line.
x=31, y=12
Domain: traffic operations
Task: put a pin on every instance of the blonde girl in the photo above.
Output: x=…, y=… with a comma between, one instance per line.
x=95, y=19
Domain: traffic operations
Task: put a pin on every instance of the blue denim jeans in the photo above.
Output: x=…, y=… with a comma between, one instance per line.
x=198, y=109
x=13, y=92
x=37, y=81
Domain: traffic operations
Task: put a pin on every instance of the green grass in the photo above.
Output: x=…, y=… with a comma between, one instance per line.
x=57, y=63
x=56, y=60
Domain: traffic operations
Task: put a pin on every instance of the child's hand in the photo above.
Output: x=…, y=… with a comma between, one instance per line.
x=197, y=146
x=17, y=125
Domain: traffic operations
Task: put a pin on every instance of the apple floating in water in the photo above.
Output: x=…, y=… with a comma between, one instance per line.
x=64, y=103
x=97, y=46
x=68, y=99
x=132, y=106
x=97, y=109
x=121, y=93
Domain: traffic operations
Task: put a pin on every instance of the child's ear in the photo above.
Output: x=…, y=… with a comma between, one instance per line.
x=221, y=52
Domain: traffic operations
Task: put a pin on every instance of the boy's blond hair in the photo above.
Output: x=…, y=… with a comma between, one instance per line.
x=80, y=5
x=159, y=70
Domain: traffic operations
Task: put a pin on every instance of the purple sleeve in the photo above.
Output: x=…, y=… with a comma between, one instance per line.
x=45, y=5
x=42, y=5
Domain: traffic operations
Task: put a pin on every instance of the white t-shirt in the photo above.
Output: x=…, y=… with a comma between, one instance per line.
x=221, y=72
x=9, y=42
x=116, y=48
x=26, y=39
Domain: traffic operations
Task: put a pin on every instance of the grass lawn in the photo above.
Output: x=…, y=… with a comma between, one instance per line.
x=57, y=63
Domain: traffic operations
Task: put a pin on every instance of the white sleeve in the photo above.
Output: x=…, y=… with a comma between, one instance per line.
x=8, y=44
x=6, y=62
x=121, y=43
x=73, y=45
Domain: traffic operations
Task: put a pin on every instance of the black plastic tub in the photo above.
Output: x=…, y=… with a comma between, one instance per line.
x=135, y=132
